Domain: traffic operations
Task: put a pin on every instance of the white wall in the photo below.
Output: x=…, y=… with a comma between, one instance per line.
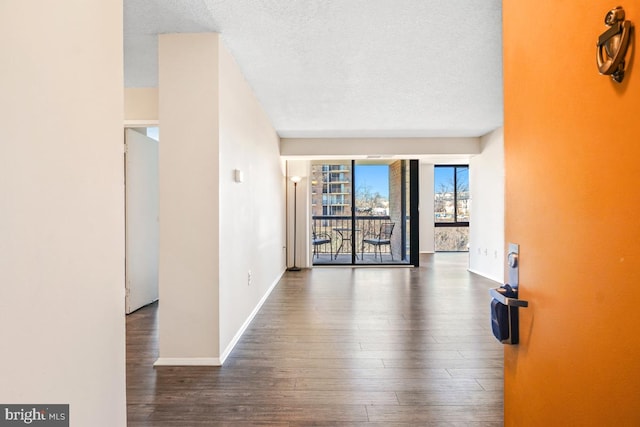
x=252, y=213
x=189, y=199
x=427, y=229
x=486, y=228
x=141, y=105
x=62, y=215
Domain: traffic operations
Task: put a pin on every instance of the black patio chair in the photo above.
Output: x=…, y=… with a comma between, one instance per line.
x=320, y=239
x=381, y=238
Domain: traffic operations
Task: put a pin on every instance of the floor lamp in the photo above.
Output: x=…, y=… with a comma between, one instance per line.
x=295, y=179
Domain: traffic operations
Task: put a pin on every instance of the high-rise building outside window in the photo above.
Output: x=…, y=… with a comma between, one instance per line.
x=331, y=188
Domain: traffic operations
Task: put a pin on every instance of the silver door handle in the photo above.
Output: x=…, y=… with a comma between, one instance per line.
x=512, y=302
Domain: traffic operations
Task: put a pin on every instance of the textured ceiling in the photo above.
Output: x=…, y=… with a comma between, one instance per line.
x=345, y=68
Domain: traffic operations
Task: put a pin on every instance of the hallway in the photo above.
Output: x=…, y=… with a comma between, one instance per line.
x=338, y=346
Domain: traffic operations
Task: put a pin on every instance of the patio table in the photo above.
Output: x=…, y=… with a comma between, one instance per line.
x=344, y=233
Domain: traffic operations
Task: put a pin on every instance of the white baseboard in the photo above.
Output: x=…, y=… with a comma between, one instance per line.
x=247, y=322
x=214, y=361
x=187, y=361
x=427, y=252
x=471, y=270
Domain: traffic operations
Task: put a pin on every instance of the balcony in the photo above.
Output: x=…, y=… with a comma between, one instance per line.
x=339, y=230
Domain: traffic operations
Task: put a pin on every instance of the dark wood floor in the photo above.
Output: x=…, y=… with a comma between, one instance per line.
x=338, y=347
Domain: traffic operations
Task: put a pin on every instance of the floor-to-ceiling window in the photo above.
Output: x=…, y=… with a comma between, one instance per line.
x=451, y=208
x=362, y=212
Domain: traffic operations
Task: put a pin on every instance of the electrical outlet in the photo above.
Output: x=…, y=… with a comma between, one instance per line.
x=249, y=278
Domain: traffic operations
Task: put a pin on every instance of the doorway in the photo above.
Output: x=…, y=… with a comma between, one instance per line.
x=141, y=218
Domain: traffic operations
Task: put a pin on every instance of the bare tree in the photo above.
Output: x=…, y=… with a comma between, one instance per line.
x=367, y=201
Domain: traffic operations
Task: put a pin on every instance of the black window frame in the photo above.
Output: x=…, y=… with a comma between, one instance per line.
x=454, y=223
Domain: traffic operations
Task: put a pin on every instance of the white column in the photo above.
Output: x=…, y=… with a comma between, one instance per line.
x=302, y=169
x=427, y=229
x=62, y=216
x=189, y=199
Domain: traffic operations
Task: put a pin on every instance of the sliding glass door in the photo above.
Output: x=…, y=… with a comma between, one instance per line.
x=331, y=210
x=365, y=212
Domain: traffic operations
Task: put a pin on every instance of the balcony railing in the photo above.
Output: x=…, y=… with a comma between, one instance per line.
x=339, y=230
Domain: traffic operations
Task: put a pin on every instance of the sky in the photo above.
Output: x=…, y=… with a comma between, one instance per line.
x=374, y=176
x=444, y=175
x=377, y=177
